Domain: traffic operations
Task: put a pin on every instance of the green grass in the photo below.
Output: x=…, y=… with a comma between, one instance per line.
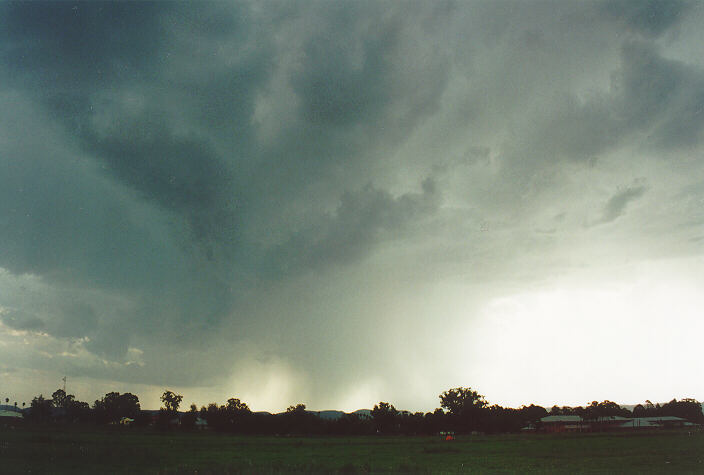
x=33, y=450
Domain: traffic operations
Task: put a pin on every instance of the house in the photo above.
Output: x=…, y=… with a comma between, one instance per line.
x=609, y=423
x=605, y=423
x=656, y=422
x=201, y=424
x=10, y=418
x=562, y=424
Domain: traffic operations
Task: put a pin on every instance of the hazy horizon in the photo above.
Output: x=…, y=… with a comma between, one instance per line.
x=341, y=203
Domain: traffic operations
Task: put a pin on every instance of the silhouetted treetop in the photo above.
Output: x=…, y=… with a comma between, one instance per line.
x=171, y=401
x=461, y=400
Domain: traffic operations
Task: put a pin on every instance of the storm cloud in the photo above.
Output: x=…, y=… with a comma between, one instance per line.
x=616, y=205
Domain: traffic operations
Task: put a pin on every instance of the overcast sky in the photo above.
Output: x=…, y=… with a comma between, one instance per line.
x=338, y=203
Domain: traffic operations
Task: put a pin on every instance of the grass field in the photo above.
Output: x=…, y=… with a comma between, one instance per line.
x=135, y=451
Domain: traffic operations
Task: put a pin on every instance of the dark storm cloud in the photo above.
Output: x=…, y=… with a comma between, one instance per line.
x=362, y=221
x=70, y=319
x=657, y=102
x=651, y=94
x=79, y=56
x=650, y=18
x=149, y=198
x=349, y=73
x=579, y=131
x=353, y=91
x=60, y=221
x=616, y=206
x=663, y=96
x=21, y=320
x=182, y=174
x=69, y=45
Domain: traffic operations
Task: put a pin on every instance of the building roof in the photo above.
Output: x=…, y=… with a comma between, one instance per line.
x=15, y=414
x=613, y=418
x=560, y=419
x=653, y=421
x=662, y=419
x=639, y=422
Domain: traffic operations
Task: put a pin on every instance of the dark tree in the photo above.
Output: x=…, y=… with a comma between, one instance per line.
x=114, y=406
x=234, y=405
x=211, y=414
x=411, y=424
x=297, y=420
x=436, y=421
x=350, y=424
x=531, y=415
x=60, y=399
x=459, y=400
x=236, y=414
x=689, y=409
x=465, y=406
x=597, y=412
x=499, y=419
x=639, y=411
x=384, y=417
x=78, y=411
x=188, y=421
x=609, y=408
x=297, y=409
x=40, y=409
x=171, y=401
x=592, y=412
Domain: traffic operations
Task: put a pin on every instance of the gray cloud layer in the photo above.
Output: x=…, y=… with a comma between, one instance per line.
x=616, y=205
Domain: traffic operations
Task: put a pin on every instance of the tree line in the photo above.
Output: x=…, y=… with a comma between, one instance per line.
x=462, y=410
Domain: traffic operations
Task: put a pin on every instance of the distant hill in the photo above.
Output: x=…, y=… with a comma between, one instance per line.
x=333, y=415
x=7, y=407
x=330, y=415
x=363, y=412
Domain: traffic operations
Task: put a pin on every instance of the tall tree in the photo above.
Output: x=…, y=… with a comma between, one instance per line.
x=466, y=407
x=237, y=406
x=40, y=409
x=687, y=408
x=236, y=415
x=171, y=401
x=60, y=399
x=384, y=416
x=297, y=409
x=188, y=421
x=114, y=406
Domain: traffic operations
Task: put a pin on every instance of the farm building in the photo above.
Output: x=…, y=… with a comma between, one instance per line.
x=201, y=424
x=10, y=418
x=562, y=424
x=609, y=423
x=656, y=422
